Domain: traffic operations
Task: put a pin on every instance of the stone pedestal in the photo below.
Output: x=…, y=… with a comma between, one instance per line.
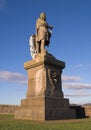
x=44, y=98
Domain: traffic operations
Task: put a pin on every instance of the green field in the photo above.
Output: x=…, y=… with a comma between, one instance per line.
x=7, y=122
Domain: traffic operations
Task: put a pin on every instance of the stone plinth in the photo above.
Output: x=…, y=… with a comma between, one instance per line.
x=44, y=98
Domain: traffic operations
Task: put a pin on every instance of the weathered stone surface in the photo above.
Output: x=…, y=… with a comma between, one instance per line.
x=80, y=111
x=8, y=109
x=44, y=76
x=44, y=98
x=45, y=108
x=87, y=110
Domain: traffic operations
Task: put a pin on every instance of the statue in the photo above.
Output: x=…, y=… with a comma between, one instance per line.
x=43, y=33
x=42, y=37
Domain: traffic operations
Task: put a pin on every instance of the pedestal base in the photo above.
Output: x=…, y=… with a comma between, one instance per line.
x=44, y=98
x=45, y=108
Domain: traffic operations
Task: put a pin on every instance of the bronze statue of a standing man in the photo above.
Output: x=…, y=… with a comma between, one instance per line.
x=43, y=33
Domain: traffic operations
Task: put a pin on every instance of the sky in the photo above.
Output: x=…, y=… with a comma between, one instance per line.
x=70, y=42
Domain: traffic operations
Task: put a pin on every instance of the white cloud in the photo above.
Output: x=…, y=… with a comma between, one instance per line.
x=77, y=95
x=71, y=78
x=14, y=77
x=82, y=65
x=76, y=91
x=77, y=85
x=80, y=93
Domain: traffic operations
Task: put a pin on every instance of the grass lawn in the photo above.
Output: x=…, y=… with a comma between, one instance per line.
x=7, y=122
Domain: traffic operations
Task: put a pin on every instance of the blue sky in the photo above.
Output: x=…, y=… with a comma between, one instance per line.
x=70, y=42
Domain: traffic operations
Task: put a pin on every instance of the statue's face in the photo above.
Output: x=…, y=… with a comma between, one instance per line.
x=43, y=16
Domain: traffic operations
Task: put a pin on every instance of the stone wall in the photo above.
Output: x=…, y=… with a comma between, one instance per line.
x=6, y=109
x=87, y=110
x=81, y=111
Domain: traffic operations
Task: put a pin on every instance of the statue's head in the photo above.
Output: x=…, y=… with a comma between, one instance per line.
x=43, y=16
